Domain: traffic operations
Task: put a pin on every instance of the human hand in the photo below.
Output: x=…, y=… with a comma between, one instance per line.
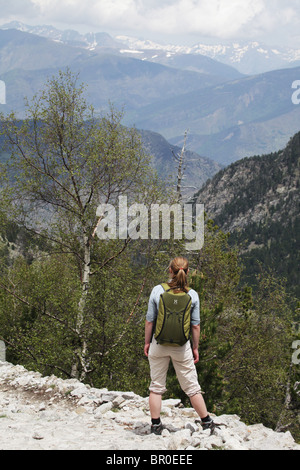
x=196, y=355
x=146, y=349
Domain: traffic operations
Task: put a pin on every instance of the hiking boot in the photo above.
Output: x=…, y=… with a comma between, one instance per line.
x=209, y=424
x=157, y=429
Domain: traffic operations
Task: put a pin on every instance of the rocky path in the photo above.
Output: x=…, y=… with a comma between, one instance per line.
x=47, y=413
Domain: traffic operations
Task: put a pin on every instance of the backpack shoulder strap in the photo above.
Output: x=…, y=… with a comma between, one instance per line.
x=165, y=287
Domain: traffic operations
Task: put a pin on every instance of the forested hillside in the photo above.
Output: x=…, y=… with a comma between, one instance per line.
x=257, y=200
x=198, y=170
x=73, y=304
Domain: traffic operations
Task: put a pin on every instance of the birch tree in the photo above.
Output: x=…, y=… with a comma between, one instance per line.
x=64, y=163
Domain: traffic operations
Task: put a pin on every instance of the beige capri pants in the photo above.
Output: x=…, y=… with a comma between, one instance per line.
x=183, y=361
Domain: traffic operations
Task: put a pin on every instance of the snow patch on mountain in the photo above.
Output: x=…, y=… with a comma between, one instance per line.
x=247, y=57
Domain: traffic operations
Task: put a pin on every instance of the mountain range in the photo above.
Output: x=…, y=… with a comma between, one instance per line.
x=247, y=57
x=165, y=89
x=249, y=116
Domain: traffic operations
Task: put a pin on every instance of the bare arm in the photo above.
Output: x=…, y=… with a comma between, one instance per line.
x=195, y=341
x=148, y=335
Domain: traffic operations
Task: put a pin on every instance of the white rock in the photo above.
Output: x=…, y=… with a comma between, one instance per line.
x=180, y=439
x=129, y=395
x=110, y=415
x=78, y=392
x=102, y=409
x=234, y=444
x=85, y=401
x=271, y=441
x=191, y=426
x=86, y=422
x=117, y=401
x=190, y=412
x=108, y=396
x=166, y=411
x=213, y=442
x=171, y=402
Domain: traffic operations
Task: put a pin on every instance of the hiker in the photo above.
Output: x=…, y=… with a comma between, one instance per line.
x=163, y=342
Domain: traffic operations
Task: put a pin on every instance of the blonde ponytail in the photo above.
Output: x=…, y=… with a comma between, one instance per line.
x=179, y=267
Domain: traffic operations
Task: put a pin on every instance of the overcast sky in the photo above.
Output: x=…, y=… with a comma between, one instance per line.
x=179, y=21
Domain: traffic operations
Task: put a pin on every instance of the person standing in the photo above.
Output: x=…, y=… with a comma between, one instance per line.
x=184, y=357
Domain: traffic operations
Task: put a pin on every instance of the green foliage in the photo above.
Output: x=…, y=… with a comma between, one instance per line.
x=37, y=312
x=256, y=368
x=216, y=281
x=74, y=305
x=246, y=337
x=64, y=163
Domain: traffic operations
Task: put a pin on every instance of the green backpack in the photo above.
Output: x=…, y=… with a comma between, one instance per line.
x=173, y=323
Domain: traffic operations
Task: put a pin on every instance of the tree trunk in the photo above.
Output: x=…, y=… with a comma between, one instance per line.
x=180, y=169
x=80, y=353
x=280, y=427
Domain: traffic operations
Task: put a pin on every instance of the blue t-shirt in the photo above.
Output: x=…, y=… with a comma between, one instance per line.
x=154, y=302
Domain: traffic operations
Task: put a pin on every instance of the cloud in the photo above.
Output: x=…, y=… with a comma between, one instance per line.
x=225, y=19
x=17, y=8
x=213, y=17
x=209, y=18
